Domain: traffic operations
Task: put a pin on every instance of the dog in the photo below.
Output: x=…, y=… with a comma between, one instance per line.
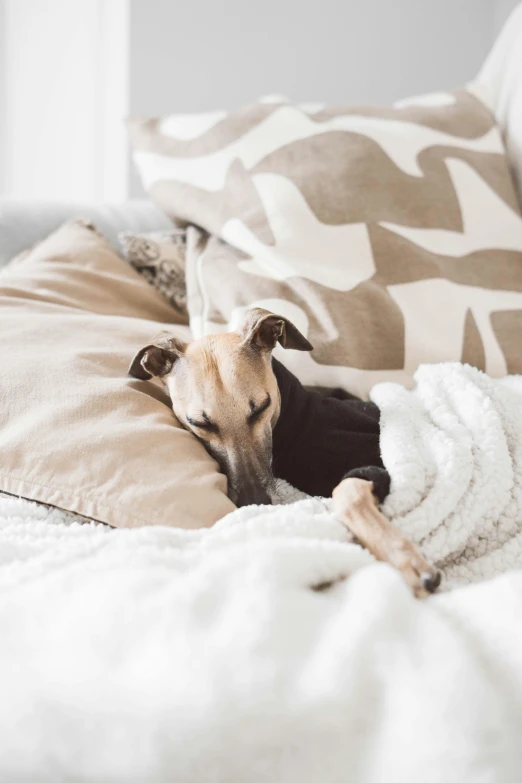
x=258, y=422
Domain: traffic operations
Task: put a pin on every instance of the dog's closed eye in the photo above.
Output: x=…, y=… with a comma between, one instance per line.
x=258, y=412
x=206, y=424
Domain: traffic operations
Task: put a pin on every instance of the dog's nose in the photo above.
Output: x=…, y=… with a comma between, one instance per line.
x=430, y=582
x=257, y=496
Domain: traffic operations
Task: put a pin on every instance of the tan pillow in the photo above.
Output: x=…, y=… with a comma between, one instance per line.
x=389, y=236
x=75, y=430
x=160, y=257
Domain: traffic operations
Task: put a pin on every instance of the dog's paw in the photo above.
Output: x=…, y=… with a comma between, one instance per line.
x=423, y=577
x=379, y=477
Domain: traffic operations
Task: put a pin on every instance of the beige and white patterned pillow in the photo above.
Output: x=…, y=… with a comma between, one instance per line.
x=390, y=236
x=160, y=257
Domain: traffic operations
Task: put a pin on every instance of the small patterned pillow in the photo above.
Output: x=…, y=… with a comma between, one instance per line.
x=160, y=257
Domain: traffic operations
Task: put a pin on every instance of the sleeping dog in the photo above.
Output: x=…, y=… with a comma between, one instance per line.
x=258, y=422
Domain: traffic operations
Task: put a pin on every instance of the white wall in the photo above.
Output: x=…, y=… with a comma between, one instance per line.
x=207, y=54
x=72, y=69
x=501, y=11
x=212, y=53
x=64, y=92
x=3, y=85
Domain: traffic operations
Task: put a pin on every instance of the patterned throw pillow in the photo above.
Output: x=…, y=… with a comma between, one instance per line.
x=390, y=236
x=160, y=257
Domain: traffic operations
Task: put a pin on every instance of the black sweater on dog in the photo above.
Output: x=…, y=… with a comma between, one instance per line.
x=319, y=440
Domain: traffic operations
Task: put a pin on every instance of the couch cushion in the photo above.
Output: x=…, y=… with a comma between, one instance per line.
x=391, y=236
x=75, y=430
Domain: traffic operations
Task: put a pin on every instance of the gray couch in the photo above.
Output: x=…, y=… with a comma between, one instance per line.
x=22, y=223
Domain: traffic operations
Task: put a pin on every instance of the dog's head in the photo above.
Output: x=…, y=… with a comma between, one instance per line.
x=224, y=391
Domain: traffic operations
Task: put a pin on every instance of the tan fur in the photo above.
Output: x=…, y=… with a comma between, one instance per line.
x=355, y=504
x=222, y=379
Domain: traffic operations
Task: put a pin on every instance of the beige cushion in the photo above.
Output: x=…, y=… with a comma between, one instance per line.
x=75, y=431
x=390, y=236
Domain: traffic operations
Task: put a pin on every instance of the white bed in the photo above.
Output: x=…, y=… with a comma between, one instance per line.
x=164, y=655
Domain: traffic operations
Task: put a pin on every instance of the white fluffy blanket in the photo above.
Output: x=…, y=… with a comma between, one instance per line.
x=161, y=655
x=453, y=447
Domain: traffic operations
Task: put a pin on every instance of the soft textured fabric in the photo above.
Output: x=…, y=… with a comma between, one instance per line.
x=453, y=447
x=23, y=223
x=391, y=236
x=75, y=431
x=160, y=257
x=166, y=656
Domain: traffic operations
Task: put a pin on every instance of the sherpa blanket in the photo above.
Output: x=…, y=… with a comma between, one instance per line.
x=223, y=656
x=453, y=446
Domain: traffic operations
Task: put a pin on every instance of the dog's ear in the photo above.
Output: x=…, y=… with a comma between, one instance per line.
x=263, y=330
x=157, y=359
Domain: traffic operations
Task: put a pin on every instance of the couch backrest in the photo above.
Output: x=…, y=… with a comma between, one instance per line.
x=500, y=82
